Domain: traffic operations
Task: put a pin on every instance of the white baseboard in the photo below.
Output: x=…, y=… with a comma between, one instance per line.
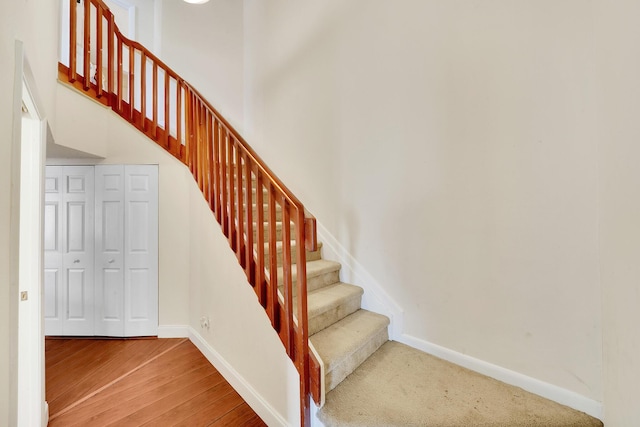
x=45, y=416
x=268, y=414
x=173, y=331
x=535, y=386
x=375, y=298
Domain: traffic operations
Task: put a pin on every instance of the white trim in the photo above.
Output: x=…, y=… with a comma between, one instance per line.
x=532, y=385
x=375, y=298
x=268, y=414
x=27, y=202
x=173, y=331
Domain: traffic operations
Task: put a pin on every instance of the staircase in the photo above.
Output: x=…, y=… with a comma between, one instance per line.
x=331, y=340
x=342, y=334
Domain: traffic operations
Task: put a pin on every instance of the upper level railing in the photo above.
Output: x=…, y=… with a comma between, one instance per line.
x=245, y=196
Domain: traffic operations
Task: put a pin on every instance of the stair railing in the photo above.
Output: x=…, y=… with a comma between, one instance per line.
x=244, y=195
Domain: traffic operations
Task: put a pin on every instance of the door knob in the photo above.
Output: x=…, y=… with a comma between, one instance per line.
x=76, y=261
x=111, y=261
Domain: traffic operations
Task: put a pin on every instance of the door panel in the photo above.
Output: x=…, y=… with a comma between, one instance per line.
x=78, y=249
x=141, y=250
x=54, y=305
x=109, y=231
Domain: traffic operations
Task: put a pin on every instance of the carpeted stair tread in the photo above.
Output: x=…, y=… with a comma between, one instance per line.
x=310, y=255
x=319, y=273
x=401, y=386
x=344, y=345
x=329, y=304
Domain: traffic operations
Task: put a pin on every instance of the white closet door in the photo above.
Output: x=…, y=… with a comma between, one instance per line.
x=53, y=277
x=78, y=249
x=141, y=250
x=109, y=232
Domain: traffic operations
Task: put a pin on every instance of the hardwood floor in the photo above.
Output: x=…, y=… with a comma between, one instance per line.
x=148, y=382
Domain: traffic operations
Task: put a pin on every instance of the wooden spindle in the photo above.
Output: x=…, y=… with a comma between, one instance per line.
x=240, y=213
x=179, y=112
x=132, y=87
x=119, y=102
x=232, y=193
x=287, y=277
x=73, y=41
x=154, y=126
x=211, y=168
x=218, y=169
x=260, y=241
x=272, y=290
x=167, y=113
x=248, y=256
x=143, y=91
x=110, y=54
x=224, y=204
x=99, y=16
x=87, y=46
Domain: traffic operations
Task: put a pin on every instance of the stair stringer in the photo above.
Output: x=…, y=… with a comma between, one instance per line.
x=375, y=298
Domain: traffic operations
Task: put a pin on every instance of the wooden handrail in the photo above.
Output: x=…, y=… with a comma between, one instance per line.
x=147, y=93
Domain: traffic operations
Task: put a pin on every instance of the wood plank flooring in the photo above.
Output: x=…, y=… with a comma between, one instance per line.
x=148, y=382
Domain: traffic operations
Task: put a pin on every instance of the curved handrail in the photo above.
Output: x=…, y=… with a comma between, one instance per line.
x=244, y=194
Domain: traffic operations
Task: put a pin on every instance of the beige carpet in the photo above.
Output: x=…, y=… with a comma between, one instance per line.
x=401, y=386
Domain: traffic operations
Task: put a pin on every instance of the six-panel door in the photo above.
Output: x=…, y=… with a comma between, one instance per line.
x=120, y=296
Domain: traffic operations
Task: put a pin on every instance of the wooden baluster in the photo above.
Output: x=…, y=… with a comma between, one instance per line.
x=132, y=83
x=73, y=41
x=302, y=336
x=200, y=139
x=218, y=170
x=110, y=58
x=211, y=170
x=232, y=193
x=196, y=147
x=189, y=130
x=260, y=241
x=272, y=292
x=179, y=119
x=167, y=113
x=248, y=256
x=287, y=276
x=154, y=126
x=87, y=46
x=240, y=214
x=224, y=204
x=99, y=13
x=143, y=91
x=119, y=96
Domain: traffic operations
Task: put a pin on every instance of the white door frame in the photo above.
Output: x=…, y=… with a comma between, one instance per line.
x=29, y=142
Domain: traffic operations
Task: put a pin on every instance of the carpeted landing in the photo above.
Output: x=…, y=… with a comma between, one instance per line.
x=401, y=386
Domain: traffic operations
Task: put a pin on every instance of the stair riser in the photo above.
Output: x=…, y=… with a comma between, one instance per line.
x=339, y=373
x=329, y=317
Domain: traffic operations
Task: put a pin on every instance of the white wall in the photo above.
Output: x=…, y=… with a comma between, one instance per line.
x=450, y=147
x=31, y=23
x=203, y=44
x=617, y=25
x=121, y=143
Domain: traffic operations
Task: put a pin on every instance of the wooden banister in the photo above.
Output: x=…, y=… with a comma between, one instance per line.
x=242, y=191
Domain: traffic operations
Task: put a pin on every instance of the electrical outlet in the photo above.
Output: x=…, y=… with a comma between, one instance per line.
x=204, y=322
